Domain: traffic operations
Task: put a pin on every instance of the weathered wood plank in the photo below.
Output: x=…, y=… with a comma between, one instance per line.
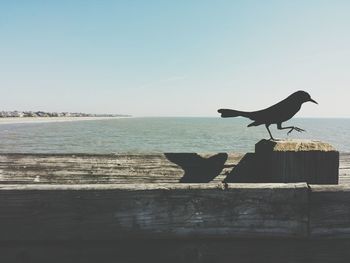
x=185, y=251
x=287, y=161
x=121, y=169
x=90, y=169
x=344, y=168
x=114, y=212
x=330, y=211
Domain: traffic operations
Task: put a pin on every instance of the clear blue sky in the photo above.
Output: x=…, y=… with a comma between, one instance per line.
x=173, y=58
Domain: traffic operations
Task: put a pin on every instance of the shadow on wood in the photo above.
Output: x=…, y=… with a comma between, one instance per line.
x=196, y=168
x=246, y=171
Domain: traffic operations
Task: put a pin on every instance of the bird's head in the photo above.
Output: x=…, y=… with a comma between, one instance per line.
x=303, y=96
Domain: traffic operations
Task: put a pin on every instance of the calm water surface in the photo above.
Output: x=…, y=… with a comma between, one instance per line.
x=151, y=135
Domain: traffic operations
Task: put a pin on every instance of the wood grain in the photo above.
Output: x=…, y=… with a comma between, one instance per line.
x=287, y=161
x=114, y=212
x=330, y=211
x=124, y=169
x=175, y=251
x=132, y=208
x=113, y=169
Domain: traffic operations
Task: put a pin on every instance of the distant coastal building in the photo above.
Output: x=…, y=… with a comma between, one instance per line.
x=17, y=114
x=23, y=114
x=29, y=114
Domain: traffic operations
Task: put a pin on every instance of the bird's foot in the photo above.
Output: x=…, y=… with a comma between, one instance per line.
x=295, y=128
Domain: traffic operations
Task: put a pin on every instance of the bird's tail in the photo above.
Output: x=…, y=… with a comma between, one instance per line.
x=226, y=113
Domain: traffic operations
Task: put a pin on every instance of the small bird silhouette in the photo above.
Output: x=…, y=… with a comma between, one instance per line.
x=276, y=114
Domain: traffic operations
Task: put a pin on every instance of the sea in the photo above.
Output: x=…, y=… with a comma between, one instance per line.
x=161, y=134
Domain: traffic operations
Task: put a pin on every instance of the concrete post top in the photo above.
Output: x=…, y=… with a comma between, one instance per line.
x=293, y=145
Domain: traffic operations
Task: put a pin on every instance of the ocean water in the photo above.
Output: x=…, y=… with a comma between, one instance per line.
x=154, y=135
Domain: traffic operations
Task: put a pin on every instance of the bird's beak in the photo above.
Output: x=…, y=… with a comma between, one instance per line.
x=313, y=101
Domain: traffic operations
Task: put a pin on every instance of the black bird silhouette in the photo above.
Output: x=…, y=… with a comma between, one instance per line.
x=276, y=114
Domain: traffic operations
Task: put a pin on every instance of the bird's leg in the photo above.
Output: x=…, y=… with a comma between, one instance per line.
x=267, y=127
x=291, y=128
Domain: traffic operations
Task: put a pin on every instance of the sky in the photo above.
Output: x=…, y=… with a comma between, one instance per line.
x=174, y=58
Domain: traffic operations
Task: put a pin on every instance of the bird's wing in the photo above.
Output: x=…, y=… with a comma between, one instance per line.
x=276, y=113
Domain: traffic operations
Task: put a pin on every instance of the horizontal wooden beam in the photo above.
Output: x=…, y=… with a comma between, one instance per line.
x=192, y=250
x=330, y=211
x=114, y=212
x=171, y=211
x=134, y=168
x=116, y=169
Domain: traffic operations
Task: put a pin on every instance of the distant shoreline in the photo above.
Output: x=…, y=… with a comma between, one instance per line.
x=21, y=120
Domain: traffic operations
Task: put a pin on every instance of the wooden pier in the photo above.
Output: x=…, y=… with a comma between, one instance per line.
x=172, y=207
